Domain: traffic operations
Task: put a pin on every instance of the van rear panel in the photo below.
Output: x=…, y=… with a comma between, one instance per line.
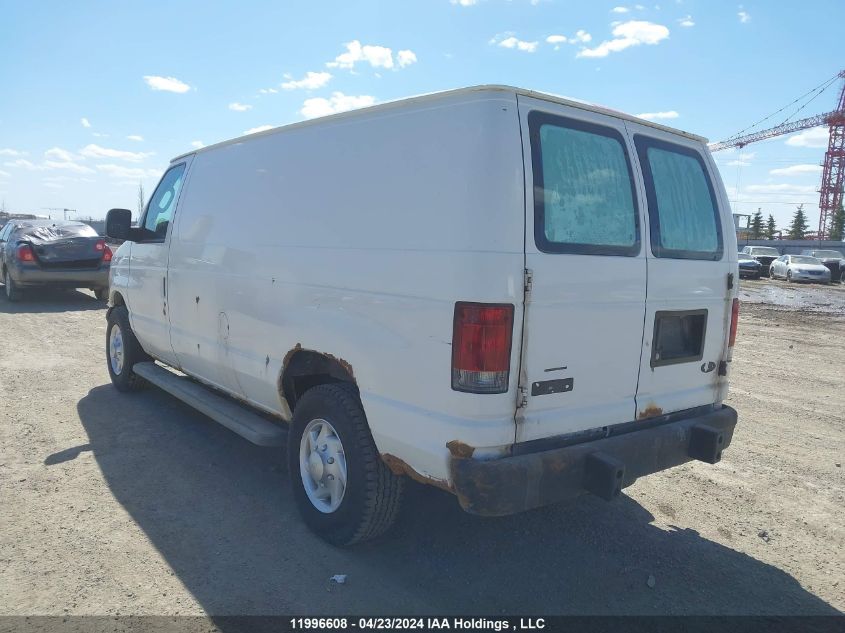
x=630, y=253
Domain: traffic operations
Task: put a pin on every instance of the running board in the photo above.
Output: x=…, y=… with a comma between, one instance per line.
x=230, y=414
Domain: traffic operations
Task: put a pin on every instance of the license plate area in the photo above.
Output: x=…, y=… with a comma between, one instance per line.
x=678, y=337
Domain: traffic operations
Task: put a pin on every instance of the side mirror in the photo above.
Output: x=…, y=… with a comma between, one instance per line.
x=118, y=223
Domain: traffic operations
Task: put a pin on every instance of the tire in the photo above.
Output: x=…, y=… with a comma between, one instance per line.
x=102, y=294
x=13, y=292
x=122, y=376
x=369, y=504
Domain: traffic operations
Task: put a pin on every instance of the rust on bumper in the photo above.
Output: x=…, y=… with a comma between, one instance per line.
x=521, y=482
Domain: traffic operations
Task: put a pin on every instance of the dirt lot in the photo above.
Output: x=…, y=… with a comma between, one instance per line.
x=116, y=504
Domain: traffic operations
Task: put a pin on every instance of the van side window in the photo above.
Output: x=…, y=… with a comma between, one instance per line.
x=684, y=218
x=163, y=203
x=584, y=194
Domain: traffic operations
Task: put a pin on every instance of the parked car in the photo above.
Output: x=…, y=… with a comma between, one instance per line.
x=763, y=254
x=53, y=253
x=377, y=280
x=833, y=260
x=800, y=268
x=749, y=267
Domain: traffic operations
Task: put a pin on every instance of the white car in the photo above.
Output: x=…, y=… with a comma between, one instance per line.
x=450, y=288
x=800, y=268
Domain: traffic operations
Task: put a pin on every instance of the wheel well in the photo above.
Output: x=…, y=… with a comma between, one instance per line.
x=303, y=369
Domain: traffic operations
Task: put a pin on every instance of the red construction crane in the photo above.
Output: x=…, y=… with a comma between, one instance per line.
x=833, y=174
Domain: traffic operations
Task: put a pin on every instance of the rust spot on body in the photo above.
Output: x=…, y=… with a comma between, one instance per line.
x=399, y=467
x=651, y=411
x=459, y=449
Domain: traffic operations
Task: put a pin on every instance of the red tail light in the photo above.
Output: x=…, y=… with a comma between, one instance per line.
x=734, y=319
x=25, y=253
x=107, y=254
x=100, y=246
x=481, y=347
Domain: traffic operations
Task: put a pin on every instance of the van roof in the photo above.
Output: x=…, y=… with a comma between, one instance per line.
x=433, y=96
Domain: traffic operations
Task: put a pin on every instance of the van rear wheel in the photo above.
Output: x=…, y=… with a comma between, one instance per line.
x=343, y=490
x=123, y=351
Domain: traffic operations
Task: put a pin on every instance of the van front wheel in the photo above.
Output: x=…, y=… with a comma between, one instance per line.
x=344, y=491
x=123, y=351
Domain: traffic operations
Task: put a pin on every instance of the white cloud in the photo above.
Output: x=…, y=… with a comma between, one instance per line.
x=6, y=151
x=376, y=56
x=135, y=137
x=128, y=173
x=464, y=3
x=57, y=153
x=167, y=84
x=197, y=144
x=686, y=21
x=780, y=188
x=744, y=17
x=556, y=39
x=239, y=107
x=406, y=58
x=338, y=102
x=507, y=40
x=99, y=135
x=95, y=151
x=582, y=36
x=268, y=91
x=656, y=116
x=5, y=174
x=620, y=10
x=796, y=170
x=814, y=137
x=85, y=122
x=260, y=128
x=68, y=165
x=311, y=81
x=627, y=34
x=23, y=163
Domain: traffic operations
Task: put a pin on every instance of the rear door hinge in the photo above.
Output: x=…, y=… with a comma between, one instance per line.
x=528, y=281
x=522, y=401
x=730, y=281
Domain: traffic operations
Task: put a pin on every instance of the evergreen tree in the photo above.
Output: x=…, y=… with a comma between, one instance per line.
x=837, y=225
x=799, y=224
x=140, y=199
x=771, y=228
x=757, y=225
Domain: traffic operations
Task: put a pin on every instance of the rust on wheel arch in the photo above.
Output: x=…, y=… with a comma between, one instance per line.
x=460, y=450
x=400, y=467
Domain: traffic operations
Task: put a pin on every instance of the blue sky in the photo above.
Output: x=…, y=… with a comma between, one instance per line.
x=99, y=95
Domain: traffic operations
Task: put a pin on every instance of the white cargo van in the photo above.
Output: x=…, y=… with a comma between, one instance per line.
x=511, y=296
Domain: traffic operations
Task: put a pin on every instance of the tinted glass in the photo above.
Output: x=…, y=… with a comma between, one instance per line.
x=163, y=203
x=58, y=231
x=766, y=250
x=828, y=254
x=583, y=188
x=799, y=259
x=683, y=215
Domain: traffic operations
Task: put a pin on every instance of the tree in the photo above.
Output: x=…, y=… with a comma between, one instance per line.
x=140, y=199
x=771, y=228
x=837, y=225
x=799, y=224
x=757, y=225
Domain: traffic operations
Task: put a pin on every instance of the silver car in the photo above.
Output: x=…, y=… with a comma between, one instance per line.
x=800, y=268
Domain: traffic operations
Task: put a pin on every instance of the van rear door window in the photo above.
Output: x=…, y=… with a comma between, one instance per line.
x=683, y=215
x=584, y=195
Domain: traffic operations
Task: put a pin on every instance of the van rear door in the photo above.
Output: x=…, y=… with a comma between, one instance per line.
x=690, y=256
x=584, y=313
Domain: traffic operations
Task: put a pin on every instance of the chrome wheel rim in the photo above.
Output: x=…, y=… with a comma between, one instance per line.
x=322, y=465
x=116, y=351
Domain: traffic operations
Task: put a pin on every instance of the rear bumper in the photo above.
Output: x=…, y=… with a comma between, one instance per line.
x=603, y=467
x=70, y=278
x=821, y=279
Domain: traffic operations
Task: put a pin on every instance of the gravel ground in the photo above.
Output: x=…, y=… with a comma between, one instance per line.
x=135, y=504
